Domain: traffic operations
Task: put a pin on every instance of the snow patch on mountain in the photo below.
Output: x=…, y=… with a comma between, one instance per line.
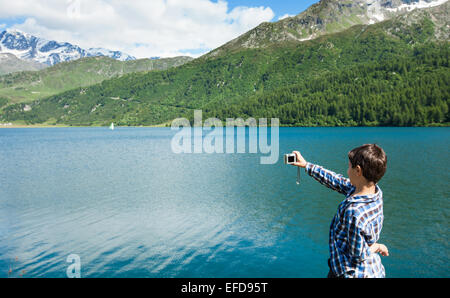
x=378, y=11
x=413, y=5
x=375, y=12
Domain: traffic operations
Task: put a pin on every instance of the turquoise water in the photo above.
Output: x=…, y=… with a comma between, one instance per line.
x=129, y=207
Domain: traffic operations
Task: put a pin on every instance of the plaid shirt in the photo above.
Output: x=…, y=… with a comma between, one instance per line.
x=355, y=227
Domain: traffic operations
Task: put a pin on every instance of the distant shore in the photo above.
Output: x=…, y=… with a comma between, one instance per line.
x=68, y=126
x=13, y=125
x=52, y=125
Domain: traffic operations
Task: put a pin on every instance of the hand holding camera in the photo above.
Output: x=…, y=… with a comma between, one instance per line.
x=295, y=159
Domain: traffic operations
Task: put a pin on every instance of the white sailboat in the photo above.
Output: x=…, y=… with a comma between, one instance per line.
x=112, y=126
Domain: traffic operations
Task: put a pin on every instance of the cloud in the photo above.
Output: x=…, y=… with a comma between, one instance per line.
x=285, y=16
x=141, y=28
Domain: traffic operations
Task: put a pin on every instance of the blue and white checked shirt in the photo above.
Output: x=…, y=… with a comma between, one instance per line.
x=355, y=227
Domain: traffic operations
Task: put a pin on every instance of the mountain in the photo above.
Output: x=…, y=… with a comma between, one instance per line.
x=31, y=48
x=324, y=17
x=10, y=63
x=31, y=85
x=391, y=73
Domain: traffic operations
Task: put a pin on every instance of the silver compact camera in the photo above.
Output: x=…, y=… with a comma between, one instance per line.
x=290, y=159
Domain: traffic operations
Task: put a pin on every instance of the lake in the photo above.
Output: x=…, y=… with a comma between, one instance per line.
x=129, y=207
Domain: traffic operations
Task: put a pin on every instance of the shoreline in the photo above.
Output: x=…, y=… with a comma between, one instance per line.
x=68, y=126
x=3, y=126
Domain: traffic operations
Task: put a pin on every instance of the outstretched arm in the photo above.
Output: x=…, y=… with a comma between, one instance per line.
x=328, y=178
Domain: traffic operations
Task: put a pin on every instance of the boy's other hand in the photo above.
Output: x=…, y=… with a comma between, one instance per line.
x=301, y=162
x=380, y=248
x=383, y=250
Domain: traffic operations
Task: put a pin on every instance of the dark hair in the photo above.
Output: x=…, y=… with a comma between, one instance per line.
x=372, y=159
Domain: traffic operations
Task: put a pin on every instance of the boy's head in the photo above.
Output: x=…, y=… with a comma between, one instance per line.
x=368, y=161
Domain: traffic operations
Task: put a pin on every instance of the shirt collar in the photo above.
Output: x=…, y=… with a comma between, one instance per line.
x=364, y=199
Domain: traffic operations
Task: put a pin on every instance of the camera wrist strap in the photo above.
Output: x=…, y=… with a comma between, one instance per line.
x=298, y=175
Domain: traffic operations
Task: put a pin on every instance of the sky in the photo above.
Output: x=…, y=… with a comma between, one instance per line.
x=145, y=28
x=280, y=8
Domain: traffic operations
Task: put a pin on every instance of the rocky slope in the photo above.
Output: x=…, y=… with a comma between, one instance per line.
x=325, y=17
x=10, y=63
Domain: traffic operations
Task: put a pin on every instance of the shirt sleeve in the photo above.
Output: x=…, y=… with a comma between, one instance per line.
x=358, y=247
x=328, y=178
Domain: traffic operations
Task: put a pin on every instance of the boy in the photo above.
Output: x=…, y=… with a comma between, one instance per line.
x=356, y=227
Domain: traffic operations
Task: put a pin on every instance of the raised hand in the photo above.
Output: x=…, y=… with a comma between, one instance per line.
x=301, y=162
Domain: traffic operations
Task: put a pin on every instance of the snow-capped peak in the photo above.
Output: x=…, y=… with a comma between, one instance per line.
x=93, y=52
x=28, y=47
x=16, y=32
